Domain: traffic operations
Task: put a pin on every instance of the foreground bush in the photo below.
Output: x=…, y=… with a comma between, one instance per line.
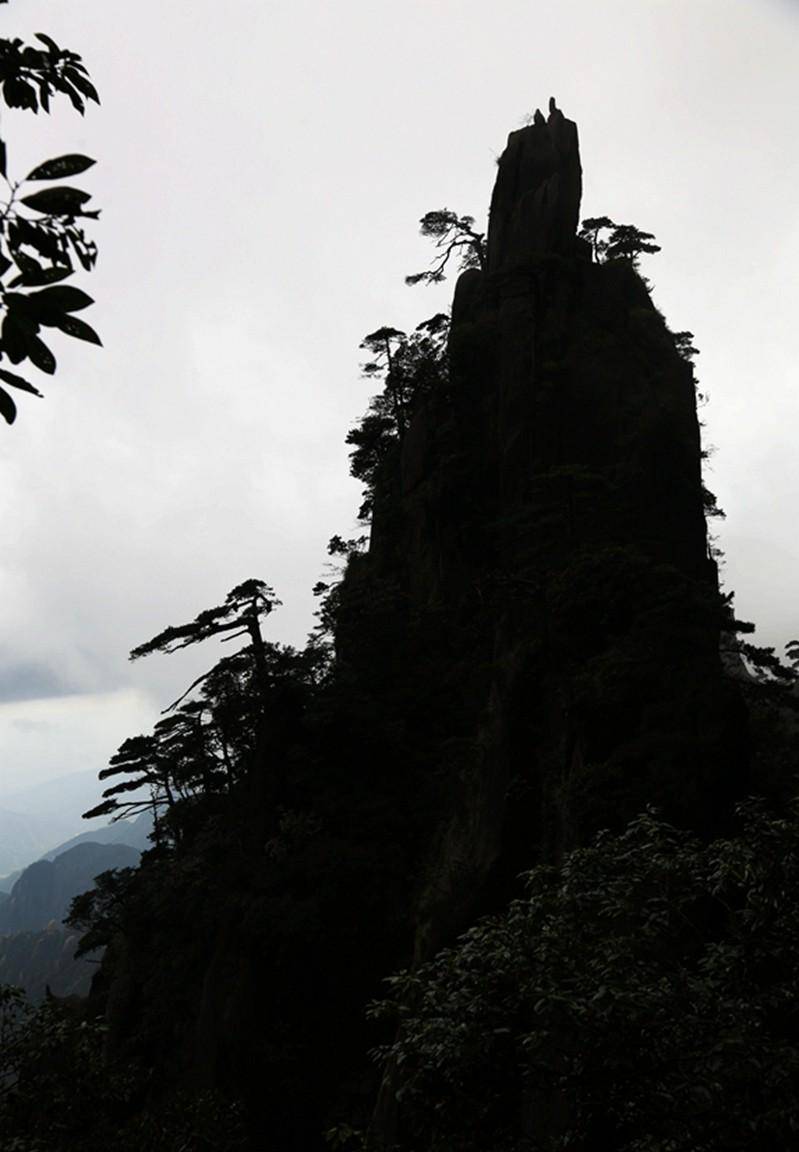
x=641, y=997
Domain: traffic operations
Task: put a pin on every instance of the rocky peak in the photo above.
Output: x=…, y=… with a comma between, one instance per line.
x=545, y=530
x=535, y=207
x=547, y=535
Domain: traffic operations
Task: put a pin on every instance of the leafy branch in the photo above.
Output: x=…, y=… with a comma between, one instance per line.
x=41, y=232
x=454, y=236
x=412, y=366
x=239, y=615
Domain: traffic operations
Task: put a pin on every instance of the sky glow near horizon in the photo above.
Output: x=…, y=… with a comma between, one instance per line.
x=261, y=176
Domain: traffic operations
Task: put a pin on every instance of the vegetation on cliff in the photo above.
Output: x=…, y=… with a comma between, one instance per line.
x=641, y=996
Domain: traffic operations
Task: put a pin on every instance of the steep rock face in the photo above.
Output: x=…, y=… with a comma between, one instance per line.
x=546, y=539
x=35, y=961
x=535, y=206
x=545, y=536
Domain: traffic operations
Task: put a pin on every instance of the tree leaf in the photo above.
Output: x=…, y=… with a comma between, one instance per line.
x=24, y=310
x=44, y=94
x=79, y=329
x=13, y=340
x=8, y=409
x=18, y=382
x=2, y=158
x=35, y=236
x=84, y=85
x=18, y=93
x=86, y=253
x=51, y=44
x=27, y=264
x=69, y=165
x=75, y=99
x=31, y=279
x=39, y=354
x=57, y=201
x=61, y=298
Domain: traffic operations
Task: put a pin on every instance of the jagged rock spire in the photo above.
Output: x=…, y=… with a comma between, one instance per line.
x=535, y=207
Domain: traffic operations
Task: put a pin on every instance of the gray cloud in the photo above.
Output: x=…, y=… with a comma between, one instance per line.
x=28, y=680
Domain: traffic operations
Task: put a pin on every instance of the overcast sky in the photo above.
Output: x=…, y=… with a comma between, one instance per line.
x=262, y=166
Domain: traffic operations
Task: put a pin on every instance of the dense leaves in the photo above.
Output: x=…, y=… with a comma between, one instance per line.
x=58, y=1093
x=642, y=996
x=206, y=743
x=623, y=242
x=100, y=912
x=204, y=746
x=42, y=239
x=329, y=589
x=286, y=832
x=412, y=367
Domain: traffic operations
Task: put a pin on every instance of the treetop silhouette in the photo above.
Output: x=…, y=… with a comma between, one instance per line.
x=454, y=236
x=624, y=241
x=240, y=614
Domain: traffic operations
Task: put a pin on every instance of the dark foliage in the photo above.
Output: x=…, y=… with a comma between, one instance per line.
x=191, y=762
x=58, y=1093
x=642, y=996
x=625, y=242
x=413, y=368
x=240, y=615
x=454, y=236
x=41, y=230
x=285, y=836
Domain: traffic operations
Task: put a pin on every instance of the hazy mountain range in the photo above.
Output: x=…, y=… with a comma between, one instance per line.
x=36, y=950
x=133, y=833
x=45, y=890
x=34, y=820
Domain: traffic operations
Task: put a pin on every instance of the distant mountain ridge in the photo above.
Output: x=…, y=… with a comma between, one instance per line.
x=34, y=819
x=36, y=949
x=45, y=890
x=134, y=833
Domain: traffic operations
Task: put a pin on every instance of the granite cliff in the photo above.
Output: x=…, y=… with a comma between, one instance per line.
x=544, y=533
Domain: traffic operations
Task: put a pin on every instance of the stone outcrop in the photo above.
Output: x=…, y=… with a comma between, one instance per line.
x=547, y=537
x=535, y=206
